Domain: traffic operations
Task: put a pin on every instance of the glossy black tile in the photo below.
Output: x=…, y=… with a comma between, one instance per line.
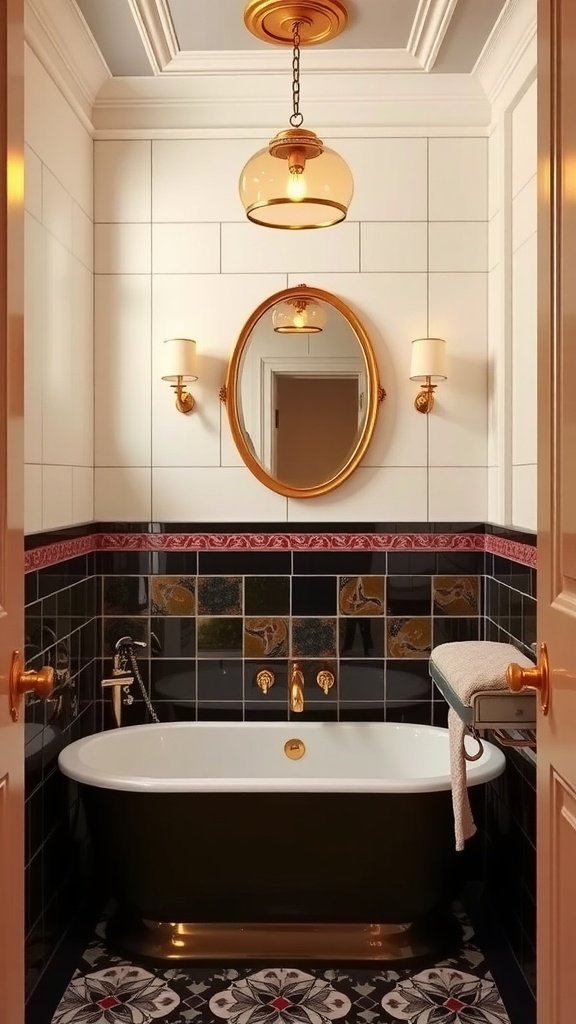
x=360, y=681
x=30, y=587
x=453, y=563
x=267, y=595
x=219, y=681
x=407, y=681
x=245, y=563
x=123, y=563
x=220, y=637
x=448, y=630
x=312, y=670
x=357, y=712
x=173, y=637
x=314, y=595
x=528, y=636
x=411, y=563
x=222, y=711
x=414, y=713
x=116, y=628
x=361, y=637
x=277, y=693
x=174, y=563
x=125, y=595
x=340, y=563
x=173, y=681
x=409, y=595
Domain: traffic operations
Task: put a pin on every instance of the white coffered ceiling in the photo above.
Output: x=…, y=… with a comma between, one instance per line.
x=154, y=37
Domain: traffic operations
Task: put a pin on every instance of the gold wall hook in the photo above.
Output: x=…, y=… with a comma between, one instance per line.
x=265, y=680
x=325, y=680
x=40, y=682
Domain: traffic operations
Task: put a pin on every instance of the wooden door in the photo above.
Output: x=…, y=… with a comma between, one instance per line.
x=11, y=509
x=557, y=509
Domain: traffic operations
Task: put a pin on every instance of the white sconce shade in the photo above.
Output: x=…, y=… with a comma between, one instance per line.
x=428, y=362
x=178, y=360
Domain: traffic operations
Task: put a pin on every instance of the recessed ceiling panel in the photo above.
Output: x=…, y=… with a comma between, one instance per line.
x=114, y=29
x=469, y=29
x=219, y=25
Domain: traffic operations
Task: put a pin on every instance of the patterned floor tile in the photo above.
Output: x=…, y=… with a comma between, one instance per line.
x=107, y=989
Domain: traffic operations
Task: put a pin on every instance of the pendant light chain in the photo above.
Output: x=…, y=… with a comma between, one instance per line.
x=297, y=119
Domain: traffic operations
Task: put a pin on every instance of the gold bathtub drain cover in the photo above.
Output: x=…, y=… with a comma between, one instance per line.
x=294, y=749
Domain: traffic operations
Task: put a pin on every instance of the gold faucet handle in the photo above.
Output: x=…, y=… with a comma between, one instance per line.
x=325, y=680
x=265, y=679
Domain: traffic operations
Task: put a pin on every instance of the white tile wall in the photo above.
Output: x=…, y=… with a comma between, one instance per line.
x=524, y=353
x=458, y=494
x=211, y=268
x=524, y=213
x=524, y=139
x=524, y=497
x=59, y=378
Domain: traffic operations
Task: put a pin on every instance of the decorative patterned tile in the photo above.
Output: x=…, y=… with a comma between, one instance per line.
x=108, y=989
x=266, y=638
x=361, y=595
x=219, y=595
x=173, y=595
x=456, y=595
x=409, y=638
x=314, y=638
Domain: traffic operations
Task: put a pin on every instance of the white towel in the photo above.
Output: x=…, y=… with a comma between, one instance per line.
x=470, y=667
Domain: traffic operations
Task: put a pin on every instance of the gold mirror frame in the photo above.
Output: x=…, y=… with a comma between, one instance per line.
x=376, y=394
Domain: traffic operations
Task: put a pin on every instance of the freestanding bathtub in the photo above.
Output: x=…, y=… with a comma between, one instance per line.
x=269, y=825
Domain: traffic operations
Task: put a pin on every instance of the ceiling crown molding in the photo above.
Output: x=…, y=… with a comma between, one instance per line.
x=160, y=42
x=57, y=33
x=510, y=45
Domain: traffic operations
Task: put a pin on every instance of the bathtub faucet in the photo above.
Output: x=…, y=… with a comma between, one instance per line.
x=296, y=688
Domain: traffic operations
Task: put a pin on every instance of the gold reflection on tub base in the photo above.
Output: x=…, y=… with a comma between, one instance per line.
x=224, y=942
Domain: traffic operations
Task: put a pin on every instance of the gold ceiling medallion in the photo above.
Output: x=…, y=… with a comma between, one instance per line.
x=273, y=20
x=296, y=182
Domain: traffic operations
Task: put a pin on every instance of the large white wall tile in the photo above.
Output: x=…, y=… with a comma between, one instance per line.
x=457, y=247
x=122, y=370
x=32, y=183
x=524, y=139
x=55, y=133
x=495, y=241
x=123, y=248
x=82, y=237
x=212, y=309
x=56, y=209
x=524, y=497
x=524, y=353
x=82, y=494
x=458, y=179
x=185, y=248
x=458, y=423
x=394, y=246
x=124, y=493
x=34, y=336
x=495, y=171
x=197, y=180
x=524, y=213
x=248, y=249
x=388, y=494
x=214, y=495
x=389, y=178
x=81, y=406
x=56, y=496
x=392, y=308
x=458, y=494
x=58, y=341
x=122, y=187
x=32, y=499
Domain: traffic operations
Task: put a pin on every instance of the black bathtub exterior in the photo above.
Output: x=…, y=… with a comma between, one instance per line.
x=282, y=857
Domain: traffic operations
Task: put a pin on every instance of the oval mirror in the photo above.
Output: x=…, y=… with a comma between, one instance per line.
x=302, y=392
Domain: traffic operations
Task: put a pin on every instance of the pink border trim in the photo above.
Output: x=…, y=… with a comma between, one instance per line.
x=51, y=554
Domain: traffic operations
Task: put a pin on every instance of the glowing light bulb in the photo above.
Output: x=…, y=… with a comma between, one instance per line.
x=296, y=187
x=300, y=319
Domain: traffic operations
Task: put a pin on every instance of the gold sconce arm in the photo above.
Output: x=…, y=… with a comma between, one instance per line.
x=184, y=400
x=424, y=401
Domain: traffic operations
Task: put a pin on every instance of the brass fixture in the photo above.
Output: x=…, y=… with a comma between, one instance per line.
x=325, y=680
x=294, y=749
x=299, y=314
x=265, y=680
x=537, y=678
x=40, y=682
x=296, y=181
x=118, y=683
x=428, y=366
x=223, y=394
x=178, y=368
x=296, y=689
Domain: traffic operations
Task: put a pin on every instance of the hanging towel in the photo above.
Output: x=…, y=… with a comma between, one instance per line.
x=468, y=668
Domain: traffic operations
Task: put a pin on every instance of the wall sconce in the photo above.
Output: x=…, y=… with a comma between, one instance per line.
x=178, y=367
x=428, y=366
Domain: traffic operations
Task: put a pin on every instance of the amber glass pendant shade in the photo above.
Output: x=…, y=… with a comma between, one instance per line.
x=298, y=316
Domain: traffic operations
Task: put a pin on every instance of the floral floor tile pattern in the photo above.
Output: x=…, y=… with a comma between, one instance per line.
x=107, y=989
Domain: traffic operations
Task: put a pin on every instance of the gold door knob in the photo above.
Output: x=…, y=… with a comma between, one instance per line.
x=537, y=678
x=27, y=681
x=325, y=680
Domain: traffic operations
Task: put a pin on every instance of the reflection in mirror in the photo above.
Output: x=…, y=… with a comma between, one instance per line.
x=302, y=392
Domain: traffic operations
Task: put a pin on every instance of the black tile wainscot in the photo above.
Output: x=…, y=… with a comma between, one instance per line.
x=215, y=604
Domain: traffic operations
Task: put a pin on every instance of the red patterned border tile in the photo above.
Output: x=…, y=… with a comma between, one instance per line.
x=512, y=549
x=51, y=554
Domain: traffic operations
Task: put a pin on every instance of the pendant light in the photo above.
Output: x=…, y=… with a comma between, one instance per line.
x=296, y=181
x=298, y=315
